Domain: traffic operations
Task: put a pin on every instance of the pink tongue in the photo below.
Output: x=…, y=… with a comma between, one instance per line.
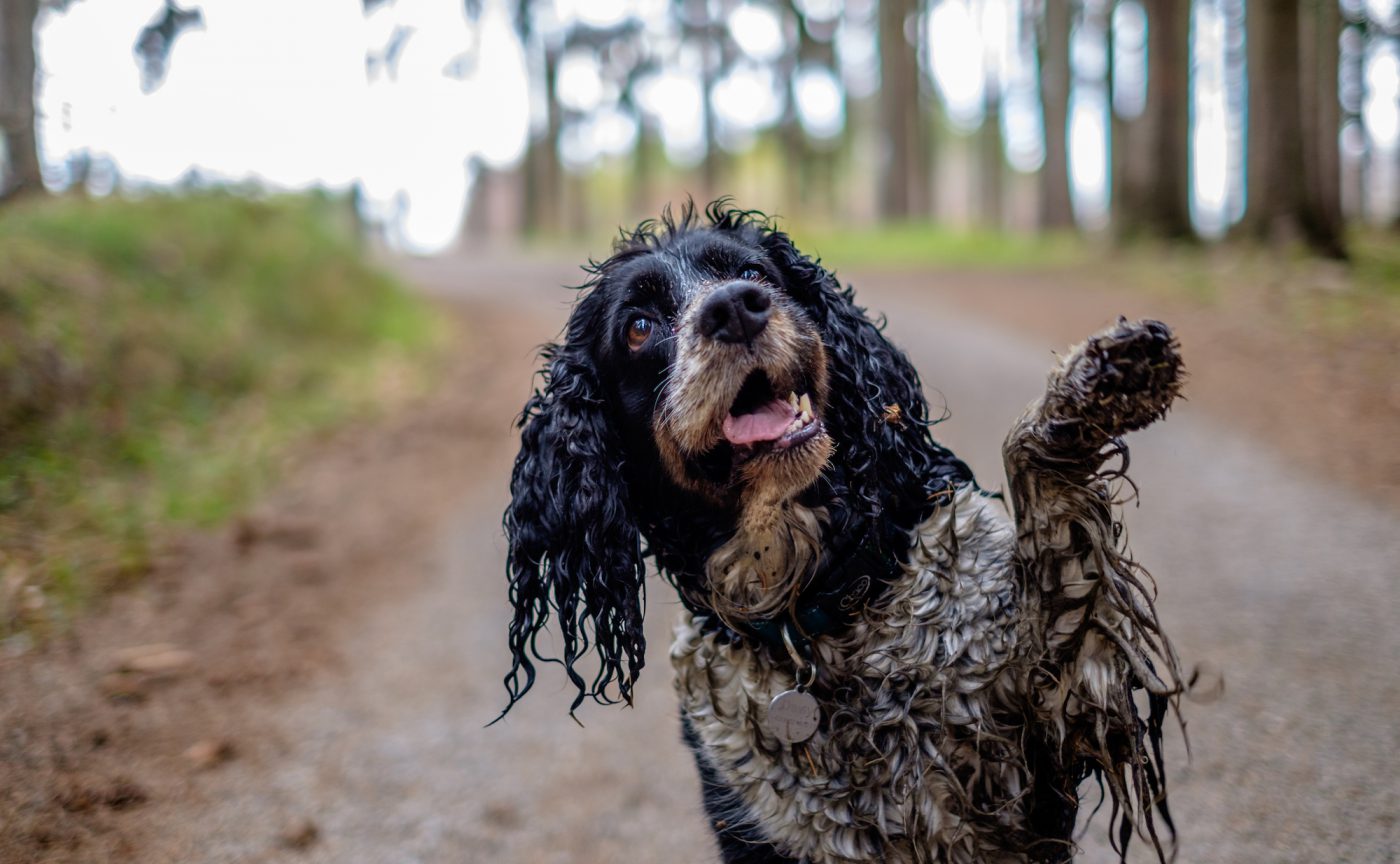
x=768, y=423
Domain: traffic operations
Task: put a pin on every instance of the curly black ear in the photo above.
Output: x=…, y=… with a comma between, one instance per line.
x=876, y=405
x=574, y=546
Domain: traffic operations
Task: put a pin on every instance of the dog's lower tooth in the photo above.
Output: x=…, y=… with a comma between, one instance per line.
x=804, y=405
x=792, y=400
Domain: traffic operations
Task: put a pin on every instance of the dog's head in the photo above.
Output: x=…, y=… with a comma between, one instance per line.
x=710, y=375
x=715, y=359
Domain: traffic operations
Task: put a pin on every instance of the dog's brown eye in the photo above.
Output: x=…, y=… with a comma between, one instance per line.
x=639, y=332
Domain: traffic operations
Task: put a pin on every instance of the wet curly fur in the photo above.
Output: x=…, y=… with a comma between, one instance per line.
x=994, y=667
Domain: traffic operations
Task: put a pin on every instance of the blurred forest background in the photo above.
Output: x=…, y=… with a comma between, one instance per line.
x=273, y=274
x=1269, y=120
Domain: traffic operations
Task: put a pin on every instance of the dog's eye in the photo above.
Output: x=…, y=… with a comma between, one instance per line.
x=751, y=274
x=639, y=332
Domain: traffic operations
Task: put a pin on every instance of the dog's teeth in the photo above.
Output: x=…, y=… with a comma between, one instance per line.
x=792, y=400
x=804, y=405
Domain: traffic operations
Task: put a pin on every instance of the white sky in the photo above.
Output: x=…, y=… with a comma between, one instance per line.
x=277, y=92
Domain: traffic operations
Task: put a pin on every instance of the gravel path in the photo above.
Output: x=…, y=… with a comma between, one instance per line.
x=1282, y=581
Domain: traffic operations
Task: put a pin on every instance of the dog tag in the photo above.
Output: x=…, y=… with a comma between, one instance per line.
x=793, y=716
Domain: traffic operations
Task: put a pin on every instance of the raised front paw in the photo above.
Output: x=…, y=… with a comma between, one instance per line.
x=1119, y=380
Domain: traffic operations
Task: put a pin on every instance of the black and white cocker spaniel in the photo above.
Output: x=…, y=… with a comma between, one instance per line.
x=874, y=662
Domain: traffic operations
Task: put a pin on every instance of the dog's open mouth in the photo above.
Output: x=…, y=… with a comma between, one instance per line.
x=762, y=421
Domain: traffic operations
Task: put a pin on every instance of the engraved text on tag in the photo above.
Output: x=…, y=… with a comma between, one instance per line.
x=793, y=716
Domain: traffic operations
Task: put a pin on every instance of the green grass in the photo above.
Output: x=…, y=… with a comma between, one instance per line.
x=1305, y=292
x=1376, y=257
x=158, y=359
x=1341, y=298
x=916, y=245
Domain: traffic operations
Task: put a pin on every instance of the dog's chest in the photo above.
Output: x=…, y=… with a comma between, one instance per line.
x=915, y=699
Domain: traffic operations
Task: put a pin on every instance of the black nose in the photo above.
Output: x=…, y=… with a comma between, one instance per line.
x=734, y=313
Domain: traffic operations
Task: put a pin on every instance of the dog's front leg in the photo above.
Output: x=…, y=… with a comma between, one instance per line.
x=1095, y=635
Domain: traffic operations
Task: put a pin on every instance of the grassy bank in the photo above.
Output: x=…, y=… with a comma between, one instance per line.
x=158, y=358
x=917, y=245
x=1300, y=291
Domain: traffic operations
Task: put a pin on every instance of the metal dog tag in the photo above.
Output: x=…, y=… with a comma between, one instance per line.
x=793, y=716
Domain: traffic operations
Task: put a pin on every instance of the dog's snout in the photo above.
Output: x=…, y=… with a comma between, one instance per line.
x=735, y=313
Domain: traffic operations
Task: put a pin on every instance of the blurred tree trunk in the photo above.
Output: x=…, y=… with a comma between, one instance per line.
x=643, y=169
x=795, y=158
x=795, y=152
x=1274, y=193
x=21, y=174
x=716, y=50
x=577, y=211
x=1130, y=168
x=1322, y=220
x=1352, y=93
x=926, y=119
x=542, y=180
x=703, y=26
x=991, y=163
x=1291, y=193
x=810, y=165
x=904, y=178
x=1236, y=102
x=1169, y=104
x=540, y=208
x=1155, y=187
x=1055, y=209
x=1255, y=223
x=711, y=168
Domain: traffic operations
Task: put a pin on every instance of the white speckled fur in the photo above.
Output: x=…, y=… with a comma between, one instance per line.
x=922, y=678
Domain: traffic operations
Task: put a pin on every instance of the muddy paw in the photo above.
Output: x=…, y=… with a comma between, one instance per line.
x=1121, y=379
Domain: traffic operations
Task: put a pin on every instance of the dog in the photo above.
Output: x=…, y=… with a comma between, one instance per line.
x=874, y=661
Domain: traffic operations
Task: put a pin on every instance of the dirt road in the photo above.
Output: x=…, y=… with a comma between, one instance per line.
x=352, y=675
